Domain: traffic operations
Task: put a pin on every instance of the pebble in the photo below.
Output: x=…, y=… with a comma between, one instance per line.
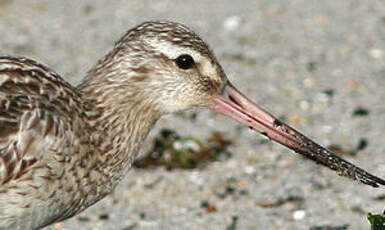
x=376, y=53
x=299, y=214
x=232, y=23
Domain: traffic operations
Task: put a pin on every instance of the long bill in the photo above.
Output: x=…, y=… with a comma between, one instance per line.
x=237, y=106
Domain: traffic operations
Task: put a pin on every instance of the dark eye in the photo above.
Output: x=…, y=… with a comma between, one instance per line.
x=185, y=61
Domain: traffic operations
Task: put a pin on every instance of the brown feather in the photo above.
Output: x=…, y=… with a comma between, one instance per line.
x=63, y=148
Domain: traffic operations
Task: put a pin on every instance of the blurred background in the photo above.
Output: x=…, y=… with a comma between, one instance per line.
x=318, y=65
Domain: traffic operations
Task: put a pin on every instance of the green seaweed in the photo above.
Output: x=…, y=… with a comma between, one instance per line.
x=377, y=221
x=173, y=151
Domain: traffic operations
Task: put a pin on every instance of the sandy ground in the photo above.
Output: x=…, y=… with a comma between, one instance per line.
x=312, y=62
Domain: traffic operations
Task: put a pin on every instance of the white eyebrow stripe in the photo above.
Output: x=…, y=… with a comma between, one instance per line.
x=172, y=51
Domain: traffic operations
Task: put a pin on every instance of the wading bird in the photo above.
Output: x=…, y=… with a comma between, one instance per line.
x=63, y=148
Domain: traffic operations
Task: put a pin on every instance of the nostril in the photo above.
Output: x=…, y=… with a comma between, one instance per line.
x=234, y=101
x=226, y=94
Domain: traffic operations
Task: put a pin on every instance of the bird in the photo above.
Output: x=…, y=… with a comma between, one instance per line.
x=63, y=147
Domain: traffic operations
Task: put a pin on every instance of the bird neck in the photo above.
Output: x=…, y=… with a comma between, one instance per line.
x=120, y=118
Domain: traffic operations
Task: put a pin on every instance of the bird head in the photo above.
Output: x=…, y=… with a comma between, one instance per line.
x=170, y=68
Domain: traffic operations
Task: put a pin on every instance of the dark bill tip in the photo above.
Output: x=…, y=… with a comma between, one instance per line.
x=237, y=106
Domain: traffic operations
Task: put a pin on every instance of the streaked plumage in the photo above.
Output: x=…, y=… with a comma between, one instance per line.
x=63, y=148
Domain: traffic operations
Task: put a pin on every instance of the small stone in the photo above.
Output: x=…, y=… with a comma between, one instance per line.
x=249, y=170
x=177, y=145
x=299, y=214
x=232, y=23
x=304, y=105
x=376, y=53
x=191, y=144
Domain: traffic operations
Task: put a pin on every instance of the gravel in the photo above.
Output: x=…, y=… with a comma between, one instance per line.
x=314, y=63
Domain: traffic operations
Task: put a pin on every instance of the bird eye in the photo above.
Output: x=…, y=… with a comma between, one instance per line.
x=185, y=61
